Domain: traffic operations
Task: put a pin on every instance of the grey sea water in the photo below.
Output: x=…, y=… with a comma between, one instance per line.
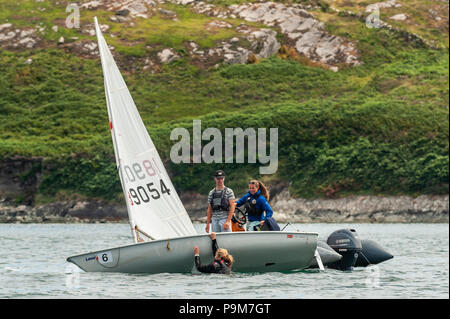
x=33, y=265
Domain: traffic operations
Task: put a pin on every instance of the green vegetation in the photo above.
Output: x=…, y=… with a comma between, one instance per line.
x=428, y=19
x=380, y=128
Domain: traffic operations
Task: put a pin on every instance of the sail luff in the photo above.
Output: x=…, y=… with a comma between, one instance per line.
x=113, y=131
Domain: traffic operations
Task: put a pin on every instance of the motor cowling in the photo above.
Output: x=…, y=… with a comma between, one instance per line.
x=345, y=242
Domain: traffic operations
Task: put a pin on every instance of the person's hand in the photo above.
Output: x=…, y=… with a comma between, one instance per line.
x=213, y=235
x=196, y=250
x=261, y=222
x=207, y=227
x=226, y=225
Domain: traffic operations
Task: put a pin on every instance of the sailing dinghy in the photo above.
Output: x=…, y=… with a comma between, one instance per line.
x=163, y=233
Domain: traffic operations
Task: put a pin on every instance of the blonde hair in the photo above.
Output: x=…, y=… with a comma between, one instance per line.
x=262, y=187
x=223, y=254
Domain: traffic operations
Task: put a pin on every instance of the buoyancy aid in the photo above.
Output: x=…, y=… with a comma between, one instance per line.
x=219, y=202
x=251, y=208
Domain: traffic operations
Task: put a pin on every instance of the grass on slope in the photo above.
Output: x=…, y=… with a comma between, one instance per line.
x=381, y=127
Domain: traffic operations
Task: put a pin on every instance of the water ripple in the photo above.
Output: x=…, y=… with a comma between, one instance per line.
x=33, y=266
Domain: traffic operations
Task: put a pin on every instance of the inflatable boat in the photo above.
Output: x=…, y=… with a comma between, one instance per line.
x=344, y=250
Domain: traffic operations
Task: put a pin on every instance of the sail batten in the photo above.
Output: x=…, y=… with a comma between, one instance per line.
x=152, y=202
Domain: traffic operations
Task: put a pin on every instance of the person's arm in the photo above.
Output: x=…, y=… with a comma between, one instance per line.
x=232, y=206
x=208, y=218
x=230, y=214
x=215, y=247
x=242, y=200
x=202, y=268
x=267, y=209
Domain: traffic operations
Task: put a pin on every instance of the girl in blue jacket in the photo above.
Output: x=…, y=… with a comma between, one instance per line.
x=256, y=202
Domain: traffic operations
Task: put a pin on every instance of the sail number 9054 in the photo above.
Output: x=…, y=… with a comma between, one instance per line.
x=143, y=194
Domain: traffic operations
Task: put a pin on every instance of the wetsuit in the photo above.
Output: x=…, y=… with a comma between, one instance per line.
x=217, y=267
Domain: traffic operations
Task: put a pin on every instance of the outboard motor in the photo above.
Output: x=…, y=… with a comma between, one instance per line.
x=347, y=243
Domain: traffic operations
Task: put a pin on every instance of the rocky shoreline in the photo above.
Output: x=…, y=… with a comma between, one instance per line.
x=352, y=209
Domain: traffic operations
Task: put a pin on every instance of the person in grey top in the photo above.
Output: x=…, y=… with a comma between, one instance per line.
x=221, y=204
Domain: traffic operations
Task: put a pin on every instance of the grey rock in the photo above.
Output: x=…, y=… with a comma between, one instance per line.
x=383, y=5
x=264, y=43
x=290, y=25
x=119, y=19
x=294, y=36
x=308, y=41
x=218, y=24
x=309, y=24
x=124, y=8
x=123, y=12
x=27, y=42
x=5, y=26
x=237, y=57
x=334, y=68
x=26, y=32
x=399, y=17
x=8, y=36
x=166, y=12
x=14, y=38
x=148, y=64
x=167, y=55
x=91, y=5
x=297, y=24
x=183, y=2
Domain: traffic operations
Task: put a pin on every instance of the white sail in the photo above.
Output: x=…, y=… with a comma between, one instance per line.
x=152, y=202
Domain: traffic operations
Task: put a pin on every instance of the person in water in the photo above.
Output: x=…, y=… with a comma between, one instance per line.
x=222, y=260
x=221, y=204
x=257, y=205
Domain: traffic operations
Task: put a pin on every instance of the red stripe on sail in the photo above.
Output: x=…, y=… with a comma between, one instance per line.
x=129, y=196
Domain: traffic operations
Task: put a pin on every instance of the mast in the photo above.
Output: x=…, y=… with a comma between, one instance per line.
x=113, y=131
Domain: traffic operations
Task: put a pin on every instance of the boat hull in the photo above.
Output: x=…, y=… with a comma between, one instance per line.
x=252, y=251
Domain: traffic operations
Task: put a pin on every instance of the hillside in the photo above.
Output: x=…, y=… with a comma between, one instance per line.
x=360, y=109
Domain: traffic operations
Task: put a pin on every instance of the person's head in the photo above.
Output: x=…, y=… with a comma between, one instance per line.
x=222, y=253
x=254, y=186
x=219, y=177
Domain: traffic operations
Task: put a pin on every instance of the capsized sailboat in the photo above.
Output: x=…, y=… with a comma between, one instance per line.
x=163, y=233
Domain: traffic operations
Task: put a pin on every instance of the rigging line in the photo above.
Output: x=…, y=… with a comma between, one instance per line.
x=286, y=225
x=143, y=233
